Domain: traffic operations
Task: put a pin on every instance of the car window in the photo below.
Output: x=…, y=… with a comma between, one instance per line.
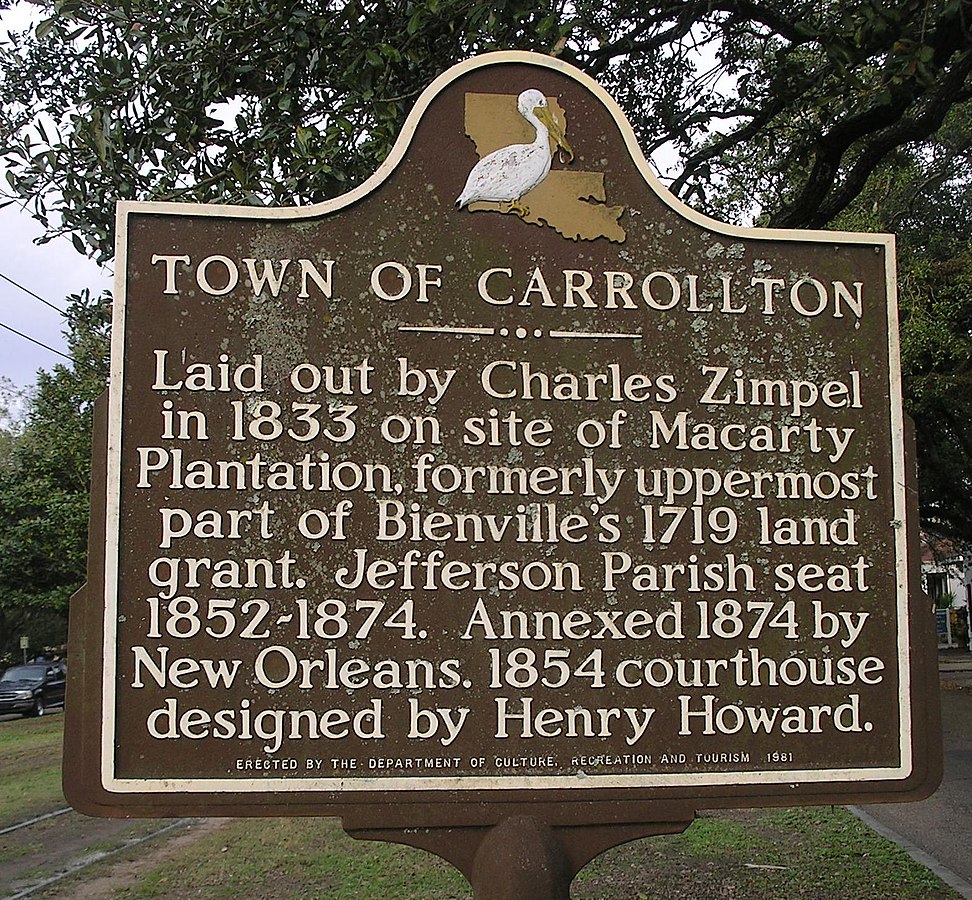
x=24, y=673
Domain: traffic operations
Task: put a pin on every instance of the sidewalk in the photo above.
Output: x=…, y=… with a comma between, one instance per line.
x=955, y=670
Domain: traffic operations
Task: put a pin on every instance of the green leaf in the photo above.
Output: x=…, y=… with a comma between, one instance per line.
x=44, y=27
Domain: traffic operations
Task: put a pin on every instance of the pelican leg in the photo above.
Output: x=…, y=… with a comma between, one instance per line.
x=516, y=207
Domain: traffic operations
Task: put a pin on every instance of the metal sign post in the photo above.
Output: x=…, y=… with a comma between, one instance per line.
x=504, y=506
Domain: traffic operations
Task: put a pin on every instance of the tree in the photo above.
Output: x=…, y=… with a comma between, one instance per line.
x=248, y=101
x=923, y=195
x=241, y=102
x=13, y=401
x=45, y=484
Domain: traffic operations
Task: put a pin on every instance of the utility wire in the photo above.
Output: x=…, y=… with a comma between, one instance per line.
x=32, y=294
x=27, y=337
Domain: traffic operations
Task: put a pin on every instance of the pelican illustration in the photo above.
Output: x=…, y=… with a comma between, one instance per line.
x=505, y=175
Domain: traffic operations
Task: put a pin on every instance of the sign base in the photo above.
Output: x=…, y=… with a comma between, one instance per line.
x=520, y=858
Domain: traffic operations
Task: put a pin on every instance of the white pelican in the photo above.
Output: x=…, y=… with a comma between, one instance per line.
x=505, y=175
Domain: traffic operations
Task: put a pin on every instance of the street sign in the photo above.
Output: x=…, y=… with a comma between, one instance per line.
x=505, y=482
x=24, y=642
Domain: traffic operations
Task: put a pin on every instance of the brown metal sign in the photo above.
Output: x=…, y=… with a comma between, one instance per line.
x=503, y=480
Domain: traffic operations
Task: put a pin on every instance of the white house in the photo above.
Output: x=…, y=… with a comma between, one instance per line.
x=946, y=576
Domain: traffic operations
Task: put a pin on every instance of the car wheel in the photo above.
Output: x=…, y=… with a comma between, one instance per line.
x=39, y=708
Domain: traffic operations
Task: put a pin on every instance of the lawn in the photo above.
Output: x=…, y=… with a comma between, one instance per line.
x=746, y=855
x=30, y=763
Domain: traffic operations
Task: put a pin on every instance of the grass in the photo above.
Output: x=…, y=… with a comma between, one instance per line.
x=30, y=759
x=8, y=853
x=807, y=852
x=712, y=835
x=24, y=735
x=747, y=855
x=295, y=858
x=29, y=794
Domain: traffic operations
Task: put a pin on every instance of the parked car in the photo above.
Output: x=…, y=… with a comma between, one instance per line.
x=32, y=689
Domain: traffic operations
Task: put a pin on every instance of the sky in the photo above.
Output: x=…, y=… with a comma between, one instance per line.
x=52, y=271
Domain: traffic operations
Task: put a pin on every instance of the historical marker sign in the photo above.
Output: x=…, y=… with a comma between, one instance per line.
x=505, y=478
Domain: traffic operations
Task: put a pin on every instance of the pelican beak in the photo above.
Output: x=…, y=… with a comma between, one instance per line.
x=556, y=132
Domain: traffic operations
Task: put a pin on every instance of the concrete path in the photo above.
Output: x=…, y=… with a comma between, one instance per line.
x=938, y=831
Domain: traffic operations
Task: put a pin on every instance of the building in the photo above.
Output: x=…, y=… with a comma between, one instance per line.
x=946, y=576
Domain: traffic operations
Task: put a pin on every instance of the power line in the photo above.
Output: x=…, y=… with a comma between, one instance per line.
x=32, y=294
x=27, y=337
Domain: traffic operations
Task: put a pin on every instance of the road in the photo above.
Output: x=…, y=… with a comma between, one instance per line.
x=941, y=826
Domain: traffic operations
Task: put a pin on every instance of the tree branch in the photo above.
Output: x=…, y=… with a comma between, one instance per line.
x=819, y=202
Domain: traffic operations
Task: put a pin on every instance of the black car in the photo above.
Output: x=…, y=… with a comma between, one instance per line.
x=32, y=689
